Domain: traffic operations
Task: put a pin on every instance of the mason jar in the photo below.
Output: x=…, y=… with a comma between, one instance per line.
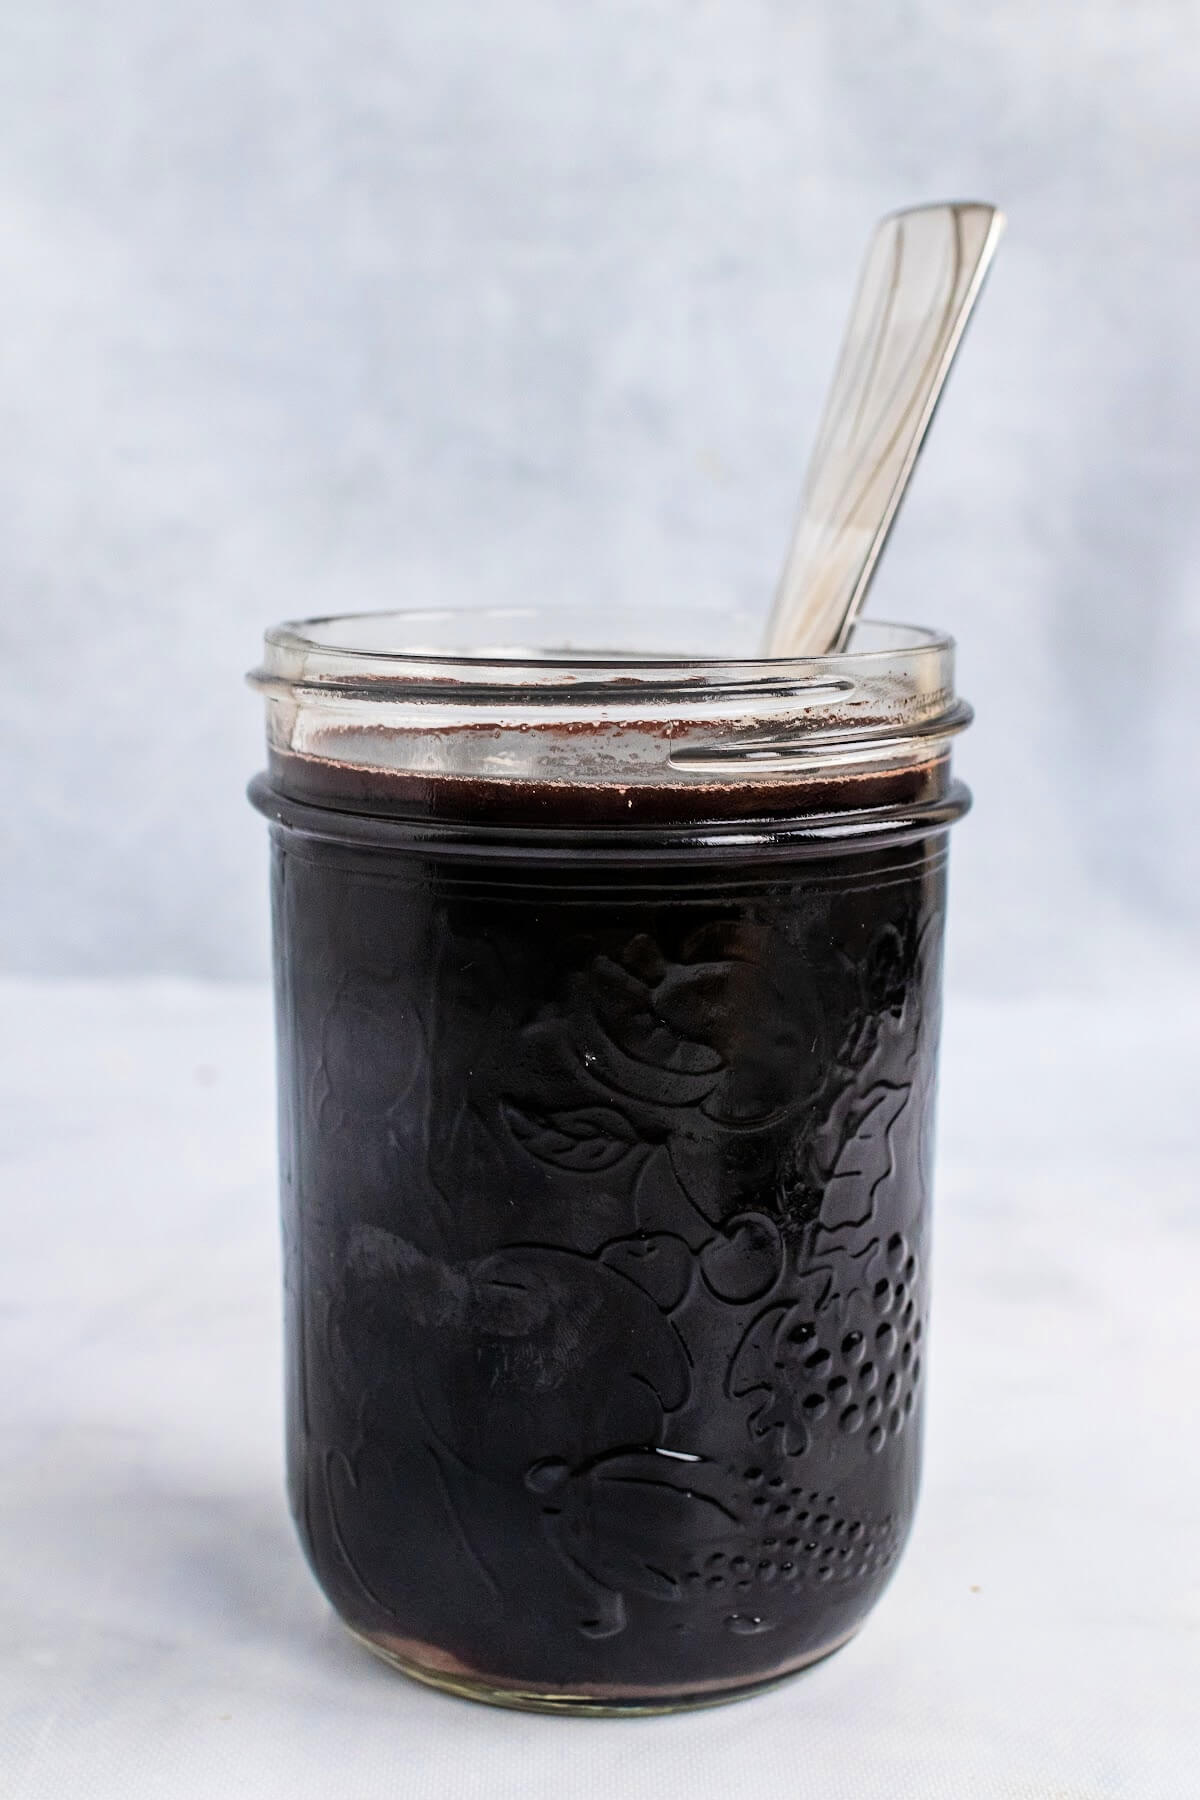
x=608, y=999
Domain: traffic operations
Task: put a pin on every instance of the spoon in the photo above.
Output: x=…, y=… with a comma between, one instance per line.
x=923, y=273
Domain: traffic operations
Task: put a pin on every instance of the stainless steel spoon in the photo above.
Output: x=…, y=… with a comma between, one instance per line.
x=922, y=276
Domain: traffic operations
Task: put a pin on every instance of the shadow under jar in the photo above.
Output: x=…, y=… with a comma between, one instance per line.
x=608, y=994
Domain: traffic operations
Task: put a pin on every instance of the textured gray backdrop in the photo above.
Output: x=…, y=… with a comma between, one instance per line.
x=311, y=306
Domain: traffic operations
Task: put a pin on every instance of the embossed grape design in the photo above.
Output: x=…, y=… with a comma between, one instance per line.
x=849, y=1364
x=871, y=1378
x=804, y=1536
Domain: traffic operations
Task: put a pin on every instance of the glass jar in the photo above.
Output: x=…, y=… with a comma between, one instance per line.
x=608, y=996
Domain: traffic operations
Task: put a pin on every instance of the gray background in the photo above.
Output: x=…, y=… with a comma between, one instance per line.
x=316, y=306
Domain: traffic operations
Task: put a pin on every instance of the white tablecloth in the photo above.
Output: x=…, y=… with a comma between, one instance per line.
x=160, y=1633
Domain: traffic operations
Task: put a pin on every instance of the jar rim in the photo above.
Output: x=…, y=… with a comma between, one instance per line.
x=380, y=705
x=360, y=651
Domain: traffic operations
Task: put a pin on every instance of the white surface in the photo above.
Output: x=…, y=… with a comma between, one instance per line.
x=160, y=1635
x=309, y=305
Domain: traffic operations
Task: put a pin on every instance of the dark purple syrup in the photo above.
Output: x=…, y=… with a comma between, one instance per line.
x=605, y=1166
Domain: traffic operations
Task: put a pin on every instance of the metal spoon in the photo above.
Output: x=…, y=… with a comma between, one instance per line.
x=922, y=276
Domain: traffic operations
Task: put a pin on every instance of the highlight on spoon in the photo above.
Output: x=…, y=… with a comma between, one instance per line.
x=922, y=275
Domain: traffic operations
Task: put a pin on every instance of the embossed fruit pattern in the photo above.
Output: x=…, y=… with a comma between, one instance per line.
x=850, y=1357
x=606, y=1243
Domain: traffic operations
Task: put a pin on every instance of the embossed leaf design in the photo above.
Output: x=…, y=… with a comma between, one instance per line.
x=759, y=1369
x=630, y=1518
x=770, y=1364
x=861, y=1153
x=587, y=1139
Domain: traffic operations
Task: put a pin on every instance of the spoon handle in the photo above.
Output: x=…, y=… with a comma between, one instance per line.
x=922, y=275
